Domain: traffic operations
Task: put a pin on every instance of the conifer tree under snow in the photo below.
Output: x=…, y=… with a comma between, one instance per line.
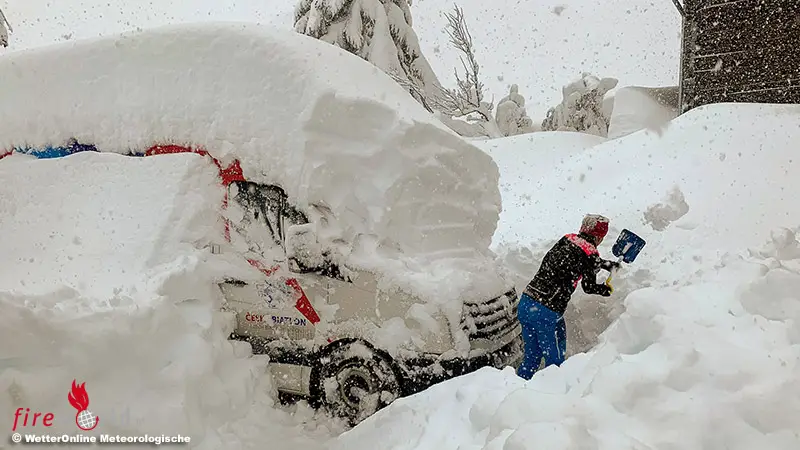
x=379, y=31
x=581, y=107
x=5, y=27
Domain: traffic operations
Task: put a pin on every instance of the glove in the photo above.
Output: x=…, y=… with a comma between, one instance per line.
x=609, y=286
x=613, y=265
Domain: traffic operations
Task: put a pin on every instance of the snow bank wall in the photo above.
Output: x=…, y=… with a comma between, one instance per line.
x=704, y=155
x=690, y=192
x=524, y=160
x=705, y=333
x=103, y=280
x=718, y=354
x=65, y=224
x=636, y=108
x=325, y=125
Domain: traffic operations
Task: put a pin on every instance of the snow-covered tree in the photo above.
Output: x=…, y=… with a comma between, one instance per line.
x=466, y=101
x=379, y=31
x=511, y=116
x=5, y=27
x=581, y=108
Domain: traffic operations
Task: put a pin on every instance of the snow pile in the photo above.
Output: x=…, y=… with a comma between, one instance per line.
x=707, y=338
x=636, y=108
x=328, y=127
x=70, y=237
x=702, y=153
x=106, y=281
x=660, y=215
x=717, y=355
x=525, y=160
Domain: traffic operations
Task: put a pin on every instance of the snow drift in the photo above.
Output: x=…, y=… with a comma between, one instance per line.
x=328, y=127
x=703, y=160
x=106, y=281
x=525, y=160
x=636, y=108
x=707, y=337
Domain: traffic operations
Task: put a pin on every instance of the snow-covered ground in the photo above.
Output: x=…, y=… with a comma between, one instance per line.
x=538, y=45
x=704, y=347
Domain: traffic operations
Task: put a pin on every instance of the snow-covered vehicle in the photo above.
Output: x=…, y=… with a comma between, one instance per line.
x=348, y=361
x=366, y=223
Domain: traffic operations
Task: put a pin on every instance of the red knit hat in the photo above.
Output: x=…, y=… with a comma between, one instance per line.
x=595, y=225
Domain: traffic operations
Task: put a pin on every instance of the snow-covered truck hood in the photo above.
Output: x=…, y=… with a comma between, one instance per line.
x=323, y=124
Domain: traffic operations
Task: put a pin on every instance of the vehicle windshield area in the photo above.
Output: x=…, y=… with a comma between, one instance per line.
x=254, y=214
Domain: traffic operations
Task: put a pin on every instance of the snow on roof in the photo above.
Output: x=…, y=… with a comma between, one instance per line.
x=328, y=127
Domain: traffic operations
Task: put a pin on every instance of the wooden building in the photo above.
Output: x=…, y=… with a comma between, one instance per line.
x=739, y=51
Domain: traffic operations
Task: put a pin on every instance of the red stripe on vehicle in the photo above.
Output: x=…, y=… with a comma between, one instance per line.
x=303, y=304
x=265, y=270
x=228, y=175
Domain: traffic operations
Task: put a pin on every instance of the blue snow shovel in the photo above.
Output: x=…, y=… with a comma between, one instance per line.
x=626, y=248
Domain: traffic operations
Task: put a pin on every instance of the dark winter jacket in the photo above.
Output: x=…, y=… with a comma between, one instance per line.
x=572, y=259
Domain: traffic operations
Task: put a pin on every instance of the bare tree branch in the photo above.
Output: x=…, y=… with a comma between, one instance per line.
x=413, y=88
x=467, y=98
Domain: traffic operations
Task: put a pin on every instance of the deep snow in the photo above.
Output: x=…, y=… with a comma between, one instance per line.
x=705, y=156
x=525, y=160
x=703, y=349
x=538, y=45
x=393, y=180
x=635, y=108
x=111, y=283
x=703, y=353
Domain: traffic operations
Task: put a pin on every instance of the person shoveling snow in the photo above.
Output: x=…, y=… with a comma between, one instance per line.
x=542, y=305
x=5, y=27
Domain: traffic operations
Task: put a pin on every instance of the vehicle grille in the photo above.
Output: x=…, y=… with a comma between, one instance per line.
x=491, y=319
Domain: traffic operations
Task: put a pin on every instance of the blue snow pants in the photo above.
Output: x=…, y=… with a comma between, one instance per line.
x=544, y=334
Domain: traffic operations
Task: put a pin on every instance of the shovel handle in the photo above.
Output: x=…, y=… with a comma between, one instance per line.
x=614, y=270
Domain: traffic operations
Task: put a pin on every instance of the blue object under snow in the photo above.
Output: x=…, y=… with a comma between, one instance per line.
x=57, y=152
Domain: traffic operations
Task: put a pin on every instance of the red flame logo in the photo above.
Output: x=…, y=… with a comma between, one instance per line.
x=79, y=400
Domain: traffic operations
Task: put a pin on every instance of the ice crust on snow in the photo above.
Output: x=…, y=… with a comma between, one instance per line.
x=326, y=126
x=106, y=281
x=705, y=331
